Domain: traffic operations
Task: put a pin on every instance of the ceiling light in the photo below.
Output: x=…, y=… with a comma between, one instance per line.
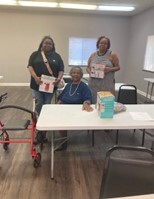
x=7, y=2
x=78, y=6
x=116, y=8
x=37, y=4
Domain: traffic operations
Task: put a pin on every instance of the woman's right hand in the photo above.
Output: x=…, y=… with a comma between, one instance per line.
x=86, y=106
x=38, y=80
x=107, y=69
x=89, y=70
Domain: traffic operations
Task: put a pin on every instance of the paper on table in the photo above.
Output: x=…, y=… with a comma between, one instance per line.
x=140, y=116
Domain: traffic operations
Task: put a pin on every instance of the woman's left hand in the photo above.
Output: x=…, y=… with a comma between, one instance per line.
x=86, y=106
x=56, y=82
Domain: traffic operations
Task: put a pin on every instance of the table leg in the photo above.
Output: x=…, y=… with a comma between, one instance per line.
x=93, y=138
x=143, y=137
x=52, y=154
x=147, y=92
x=151, y=91
x=117, y=137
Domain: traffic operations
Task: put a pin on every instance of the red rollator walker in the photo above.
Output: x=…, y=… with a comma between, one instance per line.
x=26, y=125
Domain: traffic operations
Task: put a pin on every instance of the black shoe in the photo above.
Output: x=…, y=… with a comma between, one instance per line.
x=41, y=137
x=35, y=142
x=45, y=140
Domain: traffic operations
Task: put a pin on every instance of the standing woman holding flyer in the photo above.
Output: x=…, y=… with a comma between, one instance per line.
x=44, y=62
x=102, y=65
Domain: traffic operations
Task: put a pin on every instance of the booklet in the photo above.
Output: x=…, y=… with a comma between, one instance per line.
x=47, y=84
x=97, y=70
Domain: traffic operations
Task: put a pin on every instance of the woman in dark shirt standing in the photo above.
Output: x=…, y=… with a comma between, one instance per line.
x=37, y=67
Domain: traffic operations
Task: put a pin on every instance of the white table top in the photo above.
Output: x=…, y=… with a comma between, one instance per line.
x=149, y=80
x=149, y=196
x=71, y=117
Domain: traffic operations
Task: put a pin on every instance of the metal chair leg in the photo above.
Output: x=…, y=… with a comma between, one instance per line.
x=143, y=136
x=117, y=137
x=93, y=138
x=152, y=146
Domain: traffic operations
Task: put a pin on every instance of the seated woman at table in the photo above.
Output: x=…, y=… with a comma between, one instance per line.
x=75, y=92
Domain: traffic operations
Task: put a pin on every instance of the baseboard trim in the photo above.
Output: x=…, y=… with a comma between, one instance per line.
x=141, y=93
x=14, y=84
x=144, y=94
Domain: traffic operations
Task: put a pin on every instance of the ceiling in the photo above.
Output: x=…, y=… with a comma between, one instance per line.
x=140, y=6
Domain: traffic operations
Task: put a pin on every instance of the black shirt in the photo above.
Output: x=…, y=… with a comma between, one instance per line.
x=36, y=61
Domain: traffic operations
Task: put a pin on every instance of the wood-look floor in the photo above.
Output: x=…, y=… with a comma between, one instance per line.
x=78, y=170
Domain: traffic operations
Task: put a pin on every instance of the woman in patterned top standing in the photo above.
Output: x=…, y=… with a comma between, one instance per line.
x=102, y=65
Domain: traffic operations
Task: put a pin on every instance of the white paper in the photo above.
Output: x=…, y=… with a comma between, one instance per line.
x=97, y=70
x=47, y=84
x=141, y=116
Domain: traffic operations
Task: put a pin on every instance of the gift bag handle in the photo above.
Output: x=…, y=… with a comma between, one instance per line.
x=46, y=63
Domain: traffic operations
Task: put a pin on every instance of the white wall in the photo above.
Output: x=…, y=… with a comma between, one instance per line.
x=22, y=31
x=141, y=26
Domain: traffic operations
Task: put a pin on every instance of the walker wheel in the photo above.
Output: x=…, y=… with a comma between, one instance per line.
x=5, y=146
x=37, y=160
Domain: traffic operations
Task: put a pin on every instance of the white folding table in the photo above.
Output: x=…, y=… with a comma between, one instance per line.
x=147, y=196
x=55, y=117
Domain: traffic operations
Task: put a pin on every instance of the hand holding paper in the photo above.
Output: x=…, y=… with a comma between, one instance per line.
x=47, y=84
x=97, y=70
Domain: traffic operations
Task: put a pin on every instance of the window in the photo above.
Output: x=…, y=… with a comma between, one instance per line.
x=149, y=55
x=80, y=49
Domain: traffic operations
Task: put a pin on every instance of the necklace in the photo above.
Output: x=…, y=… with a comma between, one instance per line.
x=71, y=94
x=101, y=54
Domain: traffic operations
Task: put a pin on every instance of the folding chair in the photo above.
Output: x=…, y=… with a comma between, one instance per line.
x=127, y=95
x=127, y=171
